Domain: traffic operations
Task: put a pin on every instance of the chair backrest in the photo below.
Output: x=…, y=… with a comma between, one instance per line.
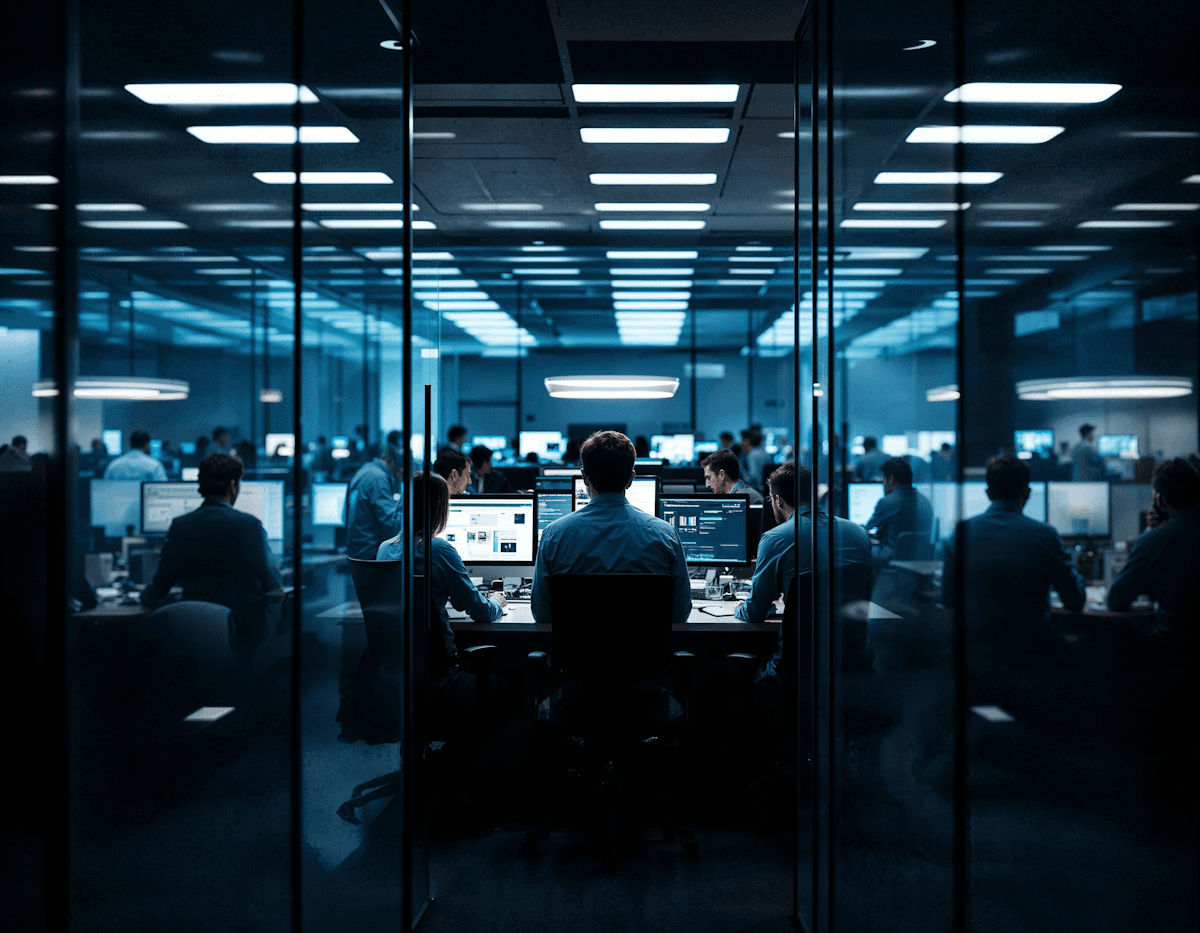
x=913, y=545
x=851, y=586
x=379, y=585
x=611, y=626
x=202, y=633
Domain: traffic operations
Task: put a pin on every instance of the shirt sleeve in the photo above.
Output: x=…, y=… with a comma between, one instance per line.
x=385, y=507
x=1134, y=579
x=683, y=583
x=764, y=588
x=463, y=595
x=539, y=599
x=1066, y=578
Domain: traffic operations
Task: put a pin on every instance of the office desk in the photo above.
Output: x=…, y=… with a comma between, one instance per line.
x=922, y=568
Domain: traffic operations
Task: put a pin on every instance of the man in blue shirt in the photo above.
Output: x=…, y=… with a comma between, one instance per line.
x=901, y=510
x=723, y=475
x=1165, y=562
x=373, y=504
x=756, y=458
x=609, y=535
x=454, y=467
x=866, y=468
x=777, y=563
x=1011, y=561
x=136, y=463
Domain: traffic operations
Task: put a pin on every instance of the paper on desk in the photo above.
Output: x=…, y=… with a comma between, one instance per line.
x=717, y=610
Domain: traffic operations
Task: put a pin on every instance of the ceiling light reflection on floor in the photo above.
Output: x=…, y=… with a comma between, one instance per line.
x=974, y=135
x=937, y=178
x=211, y=95
x=993, y=92
x=271, y=135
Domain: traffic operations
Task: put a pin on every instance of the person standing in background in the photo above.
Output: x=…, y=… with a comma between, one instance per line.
x=1087, y=464
x=373, y=504
x=136, y=463
x=14, y=458
x=220, y=443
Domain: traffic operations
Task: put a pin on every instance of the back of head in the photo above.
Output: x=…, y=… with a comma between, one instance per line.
x=394, y=438
x=220, y=435
x=608, y=460
x=723, y=460
x=450, y=460
x=1007, y=478
x=139, y=439
x=457, y=434
x=1085, y=431
x=641, y=446
x=19, y=441
x=869, y=444
x=1178, y=483
x=480, y=454
x=755, y=437
x=390, y=455
x=217, y=471
x=432, y=485
x=792, y=482
x=899, y=469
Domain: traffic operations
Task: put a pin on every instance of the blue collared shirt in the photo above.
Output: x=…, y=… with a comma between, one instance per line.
x=900, y=511
x=138, y=465
x=450, y=584
x=372, y=510
x=756, y=459
x=740, y=488
x=608, y=535
x=1165, y=565
x=1011, y=561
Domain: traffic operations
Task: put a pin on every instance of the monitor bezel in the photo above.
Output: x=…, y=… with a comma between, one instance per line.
x=142, y=507
x=513, y=496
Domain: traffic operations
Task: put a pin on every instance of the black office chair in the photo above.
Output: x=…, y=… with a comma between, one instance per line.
x=611, y=656
x=370, y=707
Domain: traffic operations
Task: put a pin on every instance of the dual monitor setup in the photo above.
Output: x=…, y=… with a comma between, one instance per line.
x=551, y=446
x=1040, y=443
x=1075, y=510
x=150, y=507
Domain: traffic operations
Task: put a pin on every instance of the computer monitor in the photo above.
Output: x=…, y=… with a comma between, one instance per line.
x=496, y=529
x=187, y=447
x=340, y=443
x=976, y=502
x=190, y=474
x=552, y=504
x=643, y=494
x=329, y=503
x=554, y=484
x=116, y=504
x=496, y=443
x=894, y=445
x=704, y=448
x=712, y=529
x=561, y=471
x=677, y=448
x=863, y=497
x=162, y=503
x=1078, y=510
x=156, y=449
x=264, y=500
x=1124, y=446
x=1039, y=443
x=282, y=444
x=548, y=445
x=112, y=442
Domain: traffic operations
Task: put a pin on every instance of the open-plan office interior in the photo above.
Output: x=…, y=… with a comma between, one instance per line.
x=296, y=257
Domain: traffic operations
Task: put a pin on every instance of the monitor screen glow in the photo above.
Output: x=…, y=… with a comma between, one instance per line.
x=712, y=529
x=944, y=497
x=116, y=504
x=1124, y=446
x=643, y=494
x=491, y=529
x=1034, y=442
x=894, y=445
x=493, y=442
x=264, y=500
x=283, y=445
x=329, y=504
x=1078, y=510
x=548, y=445
x=112, y=442
x=704, y=448
x=677, y=448
x=552, y=504
x=162, y=503
x=863, y=497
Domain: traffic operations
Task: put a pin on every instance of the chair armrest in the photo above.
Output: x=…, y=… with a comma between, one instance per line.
x=480, y=655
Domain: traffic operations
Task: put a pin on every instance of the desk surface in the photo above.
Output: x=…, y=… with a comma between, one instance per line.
x=924, y=568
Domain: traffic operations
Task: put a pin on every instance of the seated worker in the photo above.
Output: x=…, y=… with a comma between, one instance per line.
x=723, y=475
x=901, y=510
x=221, y=555
x=373, y=504
x=609, y=535
x=454, y=467
x=866, y=468
x=136, y=462
x=485, y=479
x=454, y=439
x=448, y=684
x=1165, y=562
x=1011, y=563
x=777, y=564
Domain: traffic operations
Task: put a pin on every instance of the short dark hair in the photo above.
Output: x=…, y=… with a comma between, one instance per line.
x=439, y=502
x=725, y=434
x=479, y=454
x=869, y=443
x=1007, y=476
x=1178, y=483
x=139, y=439
x=899, y=469
x=608, y=460
x=456, y=431
x=389, y=453
x=218, y=430
x=450, y=460
x=792, y=482
x=394, y=438
x=217, y=471
x=1086, y=429
x=19, y=441
x=723, y=460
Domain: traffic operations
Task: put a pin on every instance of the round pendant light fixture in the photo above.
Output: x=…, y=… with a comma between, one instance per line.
x=119, y=388
x=1104, y=387
x=600, y=387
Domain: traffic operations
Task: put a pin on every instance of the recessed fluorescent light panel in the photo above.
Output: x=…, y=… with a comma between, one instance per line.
x=1157, y=207
x=271, y=135
x=651, y=283
x=620, y=272
x=1124, y=224
x=138, y=224
x=110, y=207
x=324, y=178
x=356, y=208
x=1190, y=180
x=653, y=206
x=664, y=134
x=652, y=254
x=741, y=281
x=652, y=225
x=998, y=135
x=990, y=92
x=546, y=271
x=525, y=224
x=910, y=206
x=653, y=178
x=495, y=207
x=872, y=224
x=655, y=93
x=216, y=95
x=28, y=180
x=649, y=305
x=651, y=296
x=375, y=223
x=937, y=178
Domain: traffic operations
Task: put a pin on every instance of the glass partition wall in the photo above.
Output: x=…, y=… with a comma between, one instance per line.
x=894, y=243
